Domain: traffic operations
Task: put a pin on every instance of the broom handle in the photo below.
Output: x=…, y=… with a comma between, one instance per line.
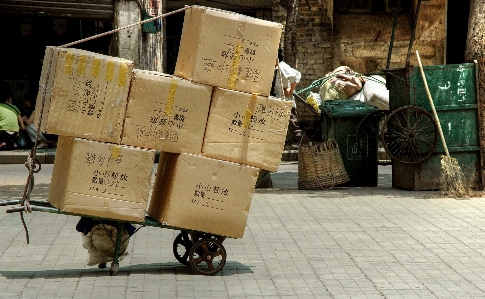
x=432, y=105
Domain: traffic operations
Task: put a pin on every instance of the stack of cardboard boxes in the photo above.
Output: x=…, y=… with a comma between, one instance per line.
x=213, y=123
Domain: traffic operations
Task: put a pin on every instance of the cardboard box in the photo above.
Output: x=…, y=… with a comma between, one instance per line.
x=203, y=194
x=83, y=94
x=246, y=128
x=101, y=179
x=228, y=50
x=166, y=113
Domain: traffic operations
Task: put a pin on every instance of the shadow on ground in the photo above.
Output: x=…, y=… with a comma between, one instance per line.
x=231, y=268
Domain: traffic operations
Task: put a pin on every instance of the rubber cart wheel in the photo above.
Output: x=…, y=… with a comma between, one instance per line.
x=207, y=256
x=181, y=247
x=409, y=134
x=369, y=136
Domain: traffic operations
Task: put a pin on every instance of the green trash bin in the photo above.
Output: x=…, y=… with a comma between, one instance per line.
x=340, y=121
x=453, y=88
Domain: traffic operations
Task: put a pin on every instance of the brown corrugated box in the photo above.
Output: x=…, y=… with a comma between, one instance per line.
x=228, y=50
x=83, y=94
x=101, y=179
x=166, y=113
x=246, y=128
x=203, y=194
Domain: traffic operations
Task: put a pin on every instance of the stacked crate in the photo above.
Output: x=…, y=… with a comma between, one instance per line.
x=245, y=130
x=83, y=98
x=212, y=121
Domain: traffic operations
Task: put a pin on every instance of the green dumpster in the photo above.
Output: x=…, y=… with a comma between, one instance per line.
x=340, y=121
x=454, y=92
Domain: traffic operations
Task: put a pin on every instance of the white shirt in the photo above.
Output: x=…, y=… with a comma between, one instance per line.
x=288, y=76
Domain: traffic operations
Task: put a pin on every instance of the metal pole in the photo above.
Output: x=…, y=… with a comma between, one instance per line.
x=392, y=35
x=416, y=16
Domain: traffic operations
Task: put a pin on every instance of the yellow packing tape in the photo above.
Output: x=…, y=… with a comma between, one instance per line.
x=115, y=151
x=69, y=61
x=96, y=67
x=110, y=70
x=171, y=97
x=81, y=65
x=249, y=111
x=122, y=75
x=234, y=70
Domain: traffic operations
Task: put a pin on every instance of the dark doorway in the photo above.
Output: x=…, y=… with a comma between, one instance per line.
x=26, y=38
x=173, y=31
x=457, y=29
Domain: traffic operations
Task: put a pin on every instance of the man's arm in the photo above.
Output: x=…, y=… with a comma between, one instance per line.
x=289, y=91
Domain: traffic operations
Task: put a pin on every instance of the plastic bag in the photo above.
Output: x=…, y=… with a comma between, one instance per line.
x=22, y=140
x=314, y=100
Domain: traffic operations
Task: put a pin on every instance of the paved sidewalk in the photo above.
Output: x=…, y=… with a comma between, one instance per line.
x=339, y=243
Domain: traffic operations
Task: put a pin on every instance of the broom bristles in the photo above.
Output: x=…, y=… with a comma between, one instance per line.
x=452, y=179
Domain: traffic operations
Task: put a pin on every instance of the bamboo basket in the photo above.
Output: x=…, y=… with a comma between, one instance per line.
x=320, y=166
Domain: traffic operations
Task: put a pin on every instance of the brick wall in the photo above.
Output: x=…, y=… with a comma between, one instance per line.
x=314, y=46
x=361, y=41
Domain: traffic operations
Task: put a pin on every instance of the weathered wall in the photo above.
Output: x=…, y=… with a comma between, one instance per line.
x=327, y=40
x=431, y=33
x=362, y=41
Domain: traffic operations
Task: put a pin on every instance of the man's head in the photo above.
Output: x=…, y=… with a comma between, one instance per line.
x=5, y=92
x=280, y=54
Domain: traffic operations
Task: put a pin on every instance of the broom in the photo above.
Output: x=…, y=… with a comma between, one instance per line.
x=452, y=179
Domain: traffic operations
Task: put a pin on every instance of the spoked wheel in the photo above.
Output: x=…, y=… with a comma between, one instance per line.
x=369, y=136
x=207, y=256
x=410, y=134
x=181, y=247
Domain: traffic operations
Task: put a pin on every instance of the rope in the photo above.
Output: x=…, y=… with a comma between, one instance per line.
x=32, y=164
x=122, y=28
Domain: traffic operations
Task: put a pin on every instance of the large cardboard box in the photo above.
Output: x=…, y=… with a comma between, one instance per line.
x=101, y=179
x=228, y=50
x=246, y=128
x=166, y=113
x=203, y=194
x=83, y=94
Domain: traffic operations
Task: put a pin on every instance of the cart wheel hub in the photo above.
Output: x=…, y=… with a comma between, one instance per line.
x=209, y=257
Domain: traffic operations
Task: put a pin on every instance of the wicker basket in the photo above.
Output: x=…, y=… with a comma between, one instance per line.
x=320, y=166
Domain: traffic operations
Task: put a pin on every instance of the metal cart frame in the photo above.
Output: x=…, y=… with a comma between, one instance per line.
x=203, y=252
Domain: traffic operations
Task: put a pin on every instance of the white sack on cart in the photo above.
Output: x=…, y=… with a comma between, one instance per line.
x=374, y=93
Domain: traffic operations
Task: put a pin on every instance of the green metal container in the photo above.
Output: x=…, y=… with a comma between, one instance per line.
x=454, y=92
x=340, y=121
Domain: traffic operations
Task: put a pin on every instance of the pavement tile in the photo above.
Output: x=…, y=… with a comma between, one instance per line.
x=340, y=243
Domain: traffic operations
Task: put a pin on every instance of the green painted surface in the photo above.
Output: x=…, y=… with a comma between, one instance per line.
x=340, y=122
x=449, y=85
x=453, y=90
